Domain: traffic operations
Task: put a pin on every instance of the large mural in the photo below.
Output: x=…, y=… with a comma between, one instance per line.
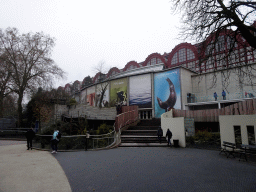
x=140, y=91
x=91, y=95
x=100, y=89
x=118, y=92
x=167, y=91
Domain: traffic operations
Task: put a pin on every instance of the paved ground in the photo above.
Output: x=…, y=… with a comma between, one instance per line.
x=23, y=170
x=156, y=169
x=122, y=170
x=10, y=142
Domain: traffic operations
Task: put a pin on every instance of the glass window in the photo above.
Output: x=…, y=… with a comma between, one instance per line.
x=190, y=65
x=190, y=54
x=153, y=61
x=220, y=45
x=182, y=55
x=209, y=50
x=159, y=61
x=174, y=59
x=249, y=53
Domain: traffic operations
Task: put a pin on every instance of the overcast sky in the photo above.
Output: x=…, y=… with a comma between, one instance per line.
x=89, y=31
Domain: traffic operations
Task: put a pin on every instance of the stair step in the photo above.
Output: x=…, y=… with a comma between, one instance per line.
x=143, y=128
x=143, y=145
x=143, y=135
x=150, y=122
x=140, y=132
x=141, y=139
x=139, y=136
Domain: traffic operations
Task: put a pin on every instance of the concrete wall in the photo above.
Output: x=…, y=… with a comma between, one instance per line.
x=235, y=83
x=176, y=126
x=227, y=123
x=83, y=98
x=186, y=85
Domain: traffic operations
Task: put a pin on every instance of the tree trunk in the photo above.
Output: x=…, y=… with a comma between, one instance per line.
x=20, y=110
x=39, y=129
x=1, y=106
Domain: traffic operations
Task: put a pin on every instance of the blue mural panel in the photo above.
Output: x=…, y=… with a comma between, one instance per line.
x=167, y=91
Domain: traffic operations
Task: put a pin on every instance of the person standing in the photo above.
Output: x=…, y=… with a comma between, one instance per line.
x=54, y=141
x=30, y=134
x=169, y=136
x=159, y=134
x=215, y=96
x=224, y=95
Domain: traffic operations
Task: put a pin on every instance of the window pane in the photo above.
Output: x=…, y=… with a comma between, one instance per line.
x=174, y=59
x=190, y=54
x=182, y=55
x=153, y=61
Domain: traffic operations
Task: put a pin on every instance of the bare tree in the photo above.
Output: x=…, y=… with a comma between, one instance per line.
x=226, y=35
x=28, y=56
x=5, y=81
x=101, y=70
x=202, y=18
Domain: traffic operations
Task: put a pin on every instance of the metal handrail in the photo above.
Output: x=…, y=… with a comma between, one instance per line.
x=108, y=136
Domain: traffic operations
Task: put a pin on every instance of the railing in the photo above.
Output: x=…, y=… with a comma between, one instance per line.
x=103, y=141
x=76, y=142
x=13, y=133
x=126, y=118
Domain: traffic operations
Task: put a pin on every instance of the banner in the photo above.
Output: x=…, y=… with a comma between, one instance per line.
x=140, y=91
x=118, y=92
x=167, y=91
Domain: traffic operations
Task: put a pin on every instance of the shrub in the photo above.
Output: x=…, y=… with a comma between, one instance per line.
x=190, y=140
x=82, y=131
x=104, y=129
x=48, y=130
x=203, y=136
x=72, y=101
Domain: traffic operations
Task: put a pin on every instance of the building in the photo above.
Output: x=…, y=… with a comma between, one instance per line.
x=186, y=78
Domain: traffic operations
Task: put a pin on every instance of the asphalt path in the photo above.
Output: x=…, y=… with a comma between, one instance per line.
x=156, y=169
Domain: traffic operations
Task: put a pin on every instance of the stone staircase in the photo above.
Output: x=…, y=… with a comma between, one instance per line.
x=142, y=135
x=92, y=113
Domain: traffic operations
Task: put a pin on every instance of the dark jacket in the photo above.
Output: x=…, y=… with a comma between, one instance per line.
x=160, y=132
x=30, y=134
x=169, y=134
